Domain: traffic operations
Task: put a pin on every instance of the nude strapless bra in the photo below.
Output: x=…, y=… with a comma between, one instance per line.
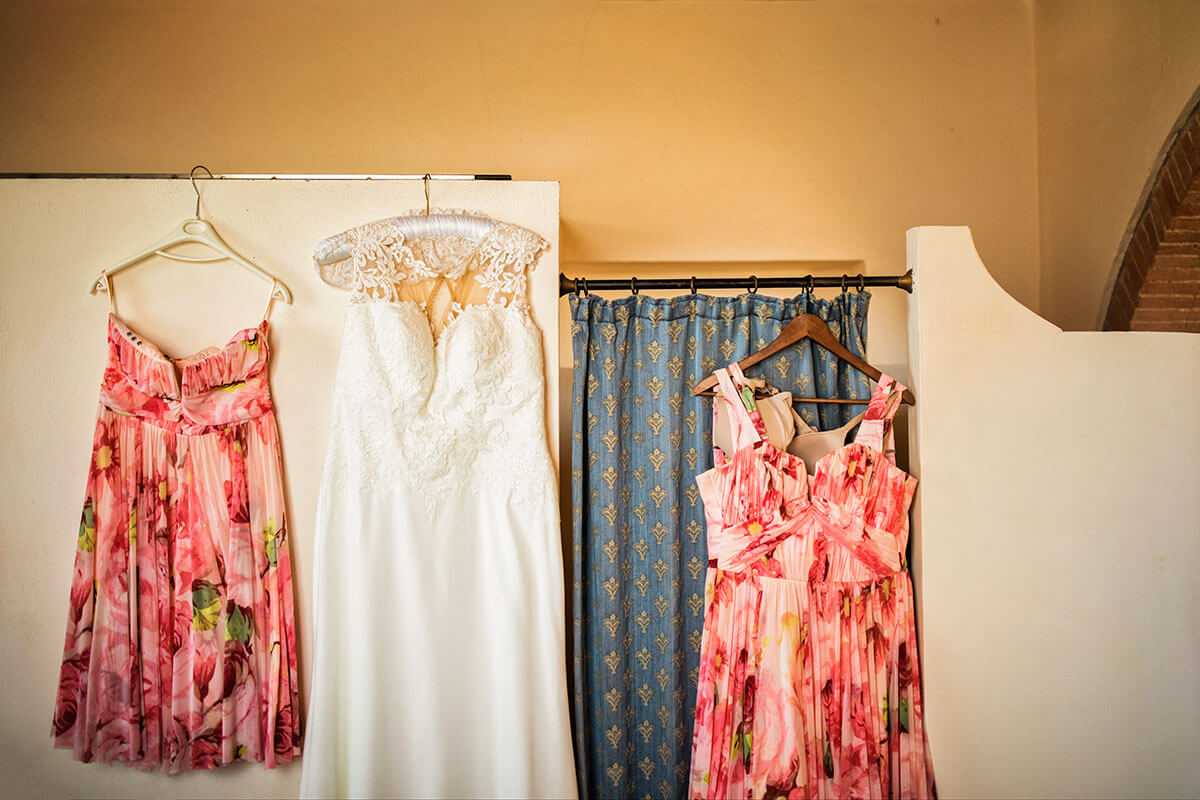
x=782, y=423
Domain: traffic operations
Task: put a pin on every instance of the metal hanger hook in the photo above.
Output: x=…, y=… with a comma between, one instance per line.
x=426, y=180
x=862, y=283
x=633, y=285
x=192, y=178
x=693, y=284
x=753, y=284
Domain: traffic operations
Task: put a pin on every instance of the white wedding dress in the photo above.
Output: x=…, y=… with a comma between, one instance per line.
x=438, y=650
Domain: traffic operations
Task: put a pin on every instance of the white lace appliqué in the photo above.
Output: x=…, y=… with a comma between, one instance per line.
x=376, y=253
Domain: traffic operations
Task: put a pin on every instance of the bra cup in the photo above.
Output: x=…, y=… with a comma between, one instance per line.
x=481, y=355
x=377, y=333
x=812, y=447
x=776, y=411
x=845, y=482
x=473, y=354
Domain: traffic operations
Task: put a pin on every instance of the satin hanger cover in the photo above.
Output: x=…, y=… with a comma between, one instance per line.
x=432, y=223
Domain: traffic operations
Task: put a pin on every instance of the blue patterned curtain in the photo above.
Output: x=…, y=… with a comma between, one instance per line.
x=639, y=440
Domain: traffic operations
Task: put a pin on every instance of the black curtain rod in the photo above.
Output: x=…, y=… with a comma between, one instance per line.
x=750, y=283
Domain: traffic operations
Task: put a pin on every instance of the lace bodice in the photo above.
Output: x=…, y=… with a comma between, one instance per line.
x=440, y=385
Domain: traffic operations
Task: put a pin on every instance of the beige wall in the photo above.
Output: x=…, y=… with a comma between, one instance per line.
x=1113, y=77
x=1059, y=528
x=679, y=131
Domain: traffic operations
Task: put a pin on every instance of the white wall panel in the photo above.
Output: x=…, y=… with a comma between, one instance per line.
x=1058, y=525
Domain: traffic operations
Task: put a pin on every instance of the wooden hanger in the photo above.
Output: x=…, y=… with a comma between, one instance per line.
x=200, y=231
x=805, y=326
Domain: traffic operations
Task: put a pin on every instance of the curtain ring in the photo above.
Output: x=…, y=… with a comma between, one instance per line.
x=862, y=283
x=754, y=284
x=584, y=291
x=693, y=284
x=844, y=278
x=812, y=284
x=633, y=285
x=426, y=180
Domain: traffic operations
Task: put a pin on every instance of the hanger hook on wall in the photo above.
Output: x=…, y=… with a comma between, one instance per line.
x=192, y=178
x=426, y=180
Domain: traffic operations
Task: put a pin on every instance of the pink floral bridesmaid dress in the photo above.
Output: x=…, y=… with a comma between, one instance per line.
x=180, y=648
x=809, y=685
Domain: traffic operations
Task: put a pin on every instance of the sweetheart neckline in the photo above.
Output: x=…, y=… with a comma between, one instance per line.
x=809, y=480
x=816, y=466
x=176, y=366
x=434, y=362
x=155, y=352
x=521, y=312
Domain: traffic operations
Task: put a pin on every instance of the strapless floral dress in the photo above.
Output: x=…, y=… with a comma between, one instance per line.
x=180, y=648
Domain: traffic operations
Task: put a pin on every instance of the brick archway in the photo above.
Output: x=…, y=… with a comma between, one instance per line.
x=1157, y=287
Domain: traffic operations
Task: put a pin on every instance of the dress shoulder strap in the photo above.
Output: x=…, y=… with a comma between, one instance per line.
x=746, y=423
x=741, y=422
x=876, y=428
x=270, y=300
x=108, y=290
x=505, y=256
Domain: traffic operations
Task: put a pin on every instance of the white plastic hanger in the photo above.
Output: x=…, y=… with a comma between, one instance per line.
x=196, y=230
x=412, y=226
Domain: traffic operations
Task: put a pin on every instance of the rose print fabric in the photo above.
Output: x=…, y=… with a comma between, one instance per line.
x=809, y=684
x=180, y=648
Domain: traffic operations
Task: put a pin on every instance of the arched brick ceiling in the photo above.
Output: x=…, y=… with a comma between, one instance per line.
x=1158, y=285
